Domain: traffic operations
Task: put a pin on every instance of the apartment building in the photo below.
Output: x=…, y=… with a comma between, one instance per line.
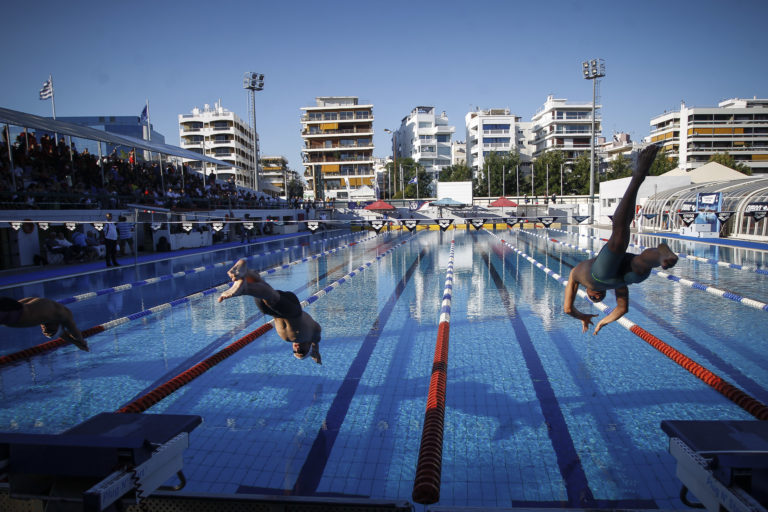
x=563, y=126
x=736, y=126
x=276, y=174
x=426, y=138
x=338, y=147
x=219, y=133
x=494, y=130
x=458, y=152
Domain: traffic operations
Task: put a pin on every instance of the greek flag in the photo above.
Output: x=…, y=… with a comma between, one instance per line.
x=47, y=90
x=412, y=181
x=144, y=115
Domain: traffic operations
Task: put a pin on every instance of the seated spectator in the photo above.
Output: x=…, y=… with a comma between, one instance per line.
x=53, y=246
x=81, y=245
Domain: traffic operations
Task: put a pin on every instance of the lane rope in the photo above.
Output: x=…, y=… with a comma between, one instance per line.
x=181, y=273
x=59, y=342
x=426, y=484
x=154, y=396
x=717, y=292
x=731, y=392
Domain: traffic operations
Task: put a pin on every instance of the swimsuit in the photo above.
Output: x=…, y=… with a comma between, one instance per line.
x=287, y=307
x=10, y=311
x=612, y=270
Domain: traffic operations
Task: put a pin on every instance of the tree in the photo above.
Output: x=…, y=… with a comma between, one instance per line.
x=295, y=189
x=727, y=160
x=552, y=159
x=577, y=181
x=620, y=168
x=500, y=167
x=456, y=172
x=662, y=163
x=392, y=181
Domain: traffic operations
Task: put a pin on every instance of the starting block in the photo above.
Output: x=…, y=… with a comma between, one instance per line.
x=724, y=464
x=107, y=458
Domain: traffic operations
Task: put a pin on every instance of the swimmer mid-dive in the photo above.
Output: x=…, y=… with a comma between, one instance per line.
x=54, y=319
x=292, y=323
x=614, y=268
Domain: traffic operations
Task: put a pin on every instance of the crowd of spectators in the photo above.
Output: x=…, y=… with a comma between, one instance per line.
x=53, y=175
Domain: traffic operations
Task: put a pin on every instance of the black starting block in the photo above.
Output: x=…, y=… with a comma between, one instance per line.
x=108, y=457
x=723, y=463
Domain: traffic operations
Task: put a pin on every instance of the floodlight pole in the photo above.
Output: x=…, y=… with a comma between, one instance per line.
x=253, y=82
x=593, y=70
x=394, y=161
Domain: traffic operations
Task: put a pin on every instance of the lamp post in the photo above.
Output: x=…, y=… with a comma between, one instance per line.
x=254, y=82
x=593, y=70
x=394, y=158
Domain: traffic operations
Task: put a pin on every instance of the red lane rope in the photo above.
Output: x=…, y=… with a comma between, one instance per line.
x=426, y=486
x=731, y=392
x=45, y=347
x=146, y=401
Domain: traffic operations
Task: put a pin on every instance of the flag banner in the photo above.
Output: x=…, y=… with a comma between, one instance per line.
x=186, y=226
x=248, y=225
x=580, y=218
x=547, y=221
x=650, y=216
x=16, y=225
x=758, y=216
x=410, y=224
x=98, y=225
x=478, y=223
x=444, y=223
x=756, y=210
x=43, y=225
x=155, y=226
x=144, y=116
x=47, y=90
x=71, y=226
x=511, y=221
x=688, y=206
x=412, y=181
x=688, y=217
x=414, y=205
x=377, y=225
x=312, y=225
x=217, y=226
x=724, y=216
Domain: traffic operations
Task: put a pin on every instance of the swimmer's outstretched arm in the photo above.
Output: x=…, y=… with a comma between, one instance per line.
x=622, y=306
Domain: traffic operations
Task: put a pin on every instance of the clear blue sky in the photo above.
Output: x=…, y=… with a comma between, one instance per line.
x=108, y=58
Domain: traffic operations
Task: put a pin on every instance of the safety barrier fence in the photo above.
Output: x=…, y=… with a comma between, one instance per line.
x=736, y=395
x=154, y=396
x=181, y=273
x=711, y=261
x=426, y=484
x=58, y=342
x=753, y=303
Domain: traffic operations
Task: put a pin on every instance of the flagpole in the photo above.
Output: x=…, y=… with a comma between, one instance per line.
x=53, y=107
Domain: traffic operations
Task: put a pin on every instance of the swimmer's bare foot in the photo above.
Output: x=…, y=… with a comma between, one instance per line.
x=314, y=353
x=667, y=258
x=645, y=160
x=237, y=288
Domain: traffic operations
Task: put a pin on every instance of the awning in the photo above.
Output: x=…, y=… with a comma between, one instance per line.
x=25, y=120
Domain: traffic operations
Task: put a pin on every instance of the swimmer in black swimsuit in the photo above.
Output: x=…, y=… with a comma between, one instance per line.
x=54, y=319
x=614, y=268
x=292, y=323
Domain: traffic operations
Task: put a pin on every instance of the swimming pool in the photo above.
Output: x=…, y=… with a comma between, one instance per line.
x=537, y=413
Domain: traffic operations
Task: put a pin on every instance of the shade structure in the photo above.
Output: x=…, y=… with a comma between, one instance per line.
x=447, y=201
x=503, y=202
x=379, y=206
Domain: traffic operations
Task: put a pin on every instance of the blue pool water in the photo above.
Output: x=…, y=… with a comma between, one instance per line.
x=537, y=413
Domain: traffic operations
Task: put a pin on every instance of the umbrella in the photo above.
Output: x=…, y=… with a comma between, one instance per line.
x=503, y=202
x=379, y=206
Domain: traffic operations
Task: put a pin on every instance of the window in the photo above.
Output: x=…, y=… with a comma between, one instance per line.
x=346, y=115
x=443, y=138
x=331, y=116
x=362, y=114
x=315, y=116
x=425, y=124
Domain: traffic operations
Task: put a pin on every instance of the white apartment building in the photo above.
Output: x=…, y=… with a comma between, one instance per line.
x=219, y=133
x=563, y=126
x=736, y=126
x=458, y=152
x=275, y=173
x=494, y=130
x=338, y=147
x=426, y=138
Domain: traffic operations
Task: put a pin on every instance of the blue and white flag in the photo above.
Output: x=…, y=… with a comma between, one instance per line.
x=144, y=116
x=412, y=181
x=47, y=90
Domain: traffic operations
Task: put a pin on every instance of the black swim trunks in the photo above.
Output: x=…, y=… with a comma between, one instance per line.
x=287, y=307
x=615, y=270
x=10, y=310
